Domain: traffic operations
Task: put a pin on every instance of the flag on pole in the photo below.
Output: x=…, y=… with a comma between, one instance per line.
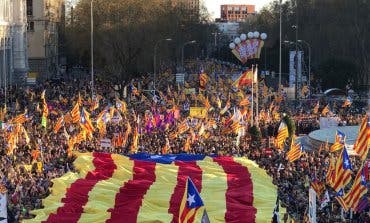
x=282, y=135
x=343, y=171
x=358, y=189
x=325, y=110
x=203, y=80
x=347, y=102
x=340, y=139
x=190, y=203
x=276, y=215
x=361, y=146
x=245, y=78
x=316, y=108
x=295, y=151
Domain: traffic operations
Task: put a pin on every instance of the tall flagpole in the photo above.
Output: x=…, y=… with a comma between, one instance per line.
x=280, y=12
x=255, y=75
x=252, y=118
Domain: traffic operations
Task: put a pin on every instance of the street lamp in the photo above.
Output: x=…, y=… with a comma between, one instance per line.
x=309, y=63
x=182, y=53
x=155, y=58
x=92, y=47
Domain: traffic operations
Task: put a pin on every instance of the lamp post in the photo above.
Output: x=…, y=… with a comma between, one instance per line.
x=309, y=63
x=155, y=59
x=182, y=53
x=280, y=12
x=92, y=47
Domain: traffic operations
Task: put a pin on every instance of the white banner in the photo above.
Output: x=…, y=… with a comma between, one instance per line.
x=105, y=143
x=3, y=209
x=312, y=205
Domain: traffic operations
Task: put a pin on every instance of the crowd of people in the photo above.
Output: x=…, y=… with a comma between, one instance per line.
x=157, y=121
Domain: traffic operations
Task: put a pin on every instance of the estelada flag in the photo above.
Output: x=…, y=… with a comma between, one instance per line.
x=203, y=80
x=145, y=188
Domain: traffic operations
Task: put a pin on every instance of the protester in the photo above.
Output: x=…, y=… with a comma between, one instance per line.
x=155, y=122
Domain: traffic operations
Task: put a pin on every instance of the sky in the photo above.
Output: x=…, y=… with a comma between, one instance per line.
x=213, y=6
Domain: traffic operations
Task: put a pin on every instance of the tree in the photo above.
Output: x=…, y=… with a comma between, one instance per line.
x=125, y=33
x=336, y=30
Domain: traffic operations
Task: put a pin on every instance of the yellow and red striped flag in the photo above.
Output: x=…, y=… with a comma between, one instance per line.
x=245, y=79
x=316, y=108
x=20, y=119
x=203, y=80
x=75, y=113
x=282, y=135
x=343, y=171
x=295, y=151
x=85, y=122
x=325, y=110
x=340, y=140
x=142, y=188
x=358, y=189
x=362, y=143
x=59, y=124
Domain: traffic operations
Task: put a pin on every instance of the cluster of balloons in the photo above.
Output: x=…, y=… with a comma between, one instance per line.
x=243, y=37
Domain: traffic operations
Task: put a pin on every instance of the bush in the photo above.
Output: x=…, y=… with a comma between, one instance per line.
x=255, y=134
x=291, y=125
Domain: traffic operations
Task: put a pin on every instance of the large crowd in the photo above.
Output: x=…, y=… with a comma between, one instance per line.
x=156, y=114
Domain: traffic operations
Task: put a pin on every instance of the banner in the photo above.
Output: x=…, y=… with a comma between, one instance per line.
x=105, y=143
x=198, y=112
x=3, y=208
x=312, y=205
x=145, y=188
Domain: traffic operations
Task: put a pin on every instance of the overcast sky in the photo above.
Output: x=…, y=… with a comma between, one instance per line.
x=213, y=6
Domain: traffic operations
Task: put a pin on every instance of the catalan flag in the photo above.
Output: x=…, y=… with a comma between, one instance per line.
x=203, y=80
x=59, y=124
x=282, y=135
x=340, y=198
x=358, y=189
x=85, y=121
x=245, y=79
x=190, y=203
x=347, y=102
x=362, y=143
x=325, y=110
x=149, y=188
x=330, y=174
x=20, y=119
x=340, y=139
x=75, y=113
x=316, y=108
x=318, y=186
x=295, y=151
x=343, y=170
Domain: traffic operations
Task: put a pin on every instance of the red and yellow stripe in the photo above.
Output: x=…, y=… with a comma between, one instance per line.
x=113, y=188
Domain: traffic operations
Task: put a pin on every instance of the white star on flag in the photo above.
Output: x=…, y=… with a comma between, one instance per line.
x=190, y=199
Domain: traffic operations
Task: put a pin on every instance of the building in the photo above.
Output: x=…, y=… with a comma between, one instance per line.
x=45, y=24
x=229, y=29
x=13, y=51
x=236, y=13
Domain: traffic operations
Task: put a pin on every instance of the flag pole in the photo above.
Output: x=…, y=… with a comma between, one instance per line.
x=252, y=118
x=257, y=112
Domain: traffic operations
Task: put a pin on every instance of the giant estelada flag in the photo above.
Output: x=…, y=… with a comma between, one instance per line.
x=147, y=188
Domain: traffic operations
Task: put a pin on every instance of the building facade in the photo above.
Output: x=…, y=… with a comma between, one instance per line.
x=45, y=22
x=13, y=50
x=236, y=13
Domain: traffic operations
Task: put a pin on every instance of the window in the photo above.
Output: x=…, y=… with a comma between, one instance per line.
x=30, y=26
x=29, y=7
